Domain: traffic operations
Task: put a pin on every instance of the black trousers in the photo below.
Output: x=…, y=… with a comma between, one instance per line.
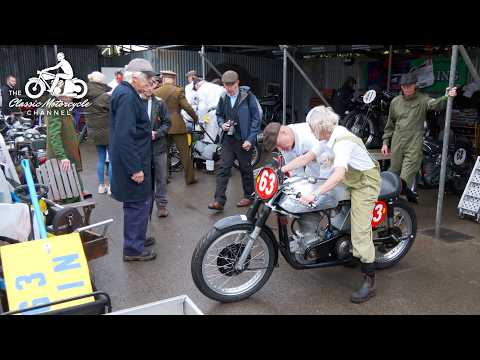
x=231, y=150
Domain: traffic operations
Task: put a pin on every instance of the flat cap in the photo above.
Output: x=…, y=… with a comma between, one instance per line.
x=191, y=73
x=141, y=65
x=407, y=79
x=270, y=136
x=168, y=73
x=229, y=77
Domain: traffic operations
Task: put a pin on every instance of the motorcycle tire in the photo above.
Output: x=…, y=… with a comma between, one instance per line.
x=201, y=252
x=256, y=155
x=175, y=164
x=431, y=174
x=401, y=249
x=370, y=135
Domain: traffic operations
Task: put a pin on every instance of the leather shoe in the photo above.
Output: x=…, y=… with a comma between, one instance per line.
x=244, y=203
x=162, y=212
x=150, y=241
x=215, y=206
x=147, y=255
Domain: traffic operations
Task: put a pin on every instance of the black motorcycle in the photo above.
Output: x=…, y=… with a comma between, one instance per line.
x=368, y=117
x=272, y=106
x=24, y=141
x=460, y=162
x=237, y=256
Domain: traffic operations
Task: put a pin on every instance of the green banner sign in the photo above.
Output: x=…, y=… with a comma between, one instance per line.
x=441, y=72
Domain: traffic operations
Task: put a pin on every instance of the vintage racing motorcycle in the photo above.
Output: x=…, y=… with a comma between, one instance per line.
x=237, y=256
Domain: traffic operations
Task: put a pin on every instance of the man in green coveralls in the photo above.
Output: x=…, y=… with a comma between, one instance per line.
x=405, y=128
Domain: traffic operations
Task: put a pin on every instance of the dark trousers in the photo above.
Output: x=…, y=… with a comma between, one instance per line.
x=161, y=174
x=231, y=150
x=135, y=223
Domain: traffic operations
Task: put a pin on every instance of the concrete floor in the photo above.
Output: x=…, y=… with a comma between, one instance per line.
x=435, y=277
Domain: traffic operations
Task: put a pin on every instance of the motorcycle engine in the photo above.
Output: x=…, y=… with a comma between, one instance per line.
x=308, y=230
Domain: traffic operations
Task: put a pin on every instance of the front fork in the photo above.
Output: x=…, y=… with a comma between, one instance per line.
x=252, y=237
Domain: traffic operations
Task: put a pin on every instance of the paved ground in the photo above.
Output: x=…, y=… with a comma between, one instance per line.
x=435, y=277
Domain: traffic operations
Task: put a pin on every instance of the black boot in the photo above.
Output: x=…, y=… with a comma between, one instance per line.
x=367, y=289
x=412, y=196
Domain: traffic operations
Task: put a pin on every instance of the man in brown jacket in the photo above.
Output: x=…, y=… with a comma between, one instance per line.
x=174, y=96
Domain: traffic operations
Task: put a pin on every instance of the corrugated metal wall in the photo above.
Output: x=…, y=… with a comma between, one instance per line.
x=24, y=61
x=263, y=69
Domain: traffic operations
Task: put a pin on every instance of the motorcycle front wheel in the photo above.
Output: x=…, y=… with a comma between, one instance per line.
x=405, y=228
x=213, y=263
x=363, y=127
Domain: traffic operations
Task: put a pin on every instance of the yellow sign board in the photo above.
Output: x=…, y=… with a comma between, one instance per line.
x=44, y=271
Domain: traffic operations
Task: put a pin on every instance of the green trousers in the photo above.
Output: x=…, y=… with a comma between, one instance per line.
x=406, y=155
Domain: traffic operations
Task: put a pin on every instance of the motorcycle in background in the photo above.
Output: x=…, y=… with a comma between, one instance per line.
x=272, y=106
x=368, y=117
x=460, y=162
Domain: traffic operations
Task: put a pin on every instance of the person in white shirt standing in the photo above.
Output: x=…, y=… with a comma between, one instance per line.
x=192, y=98
x=355, y=168
x=208, y=96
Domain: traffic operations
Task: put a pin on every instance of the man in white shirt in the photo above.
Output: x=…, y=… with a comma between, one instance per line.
x=293, y=141
x=192, y=98
x=208, y=96
x=353, y=167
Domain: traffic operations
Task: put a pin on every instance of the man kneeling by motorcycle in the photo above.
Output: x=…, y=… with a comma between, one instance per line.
x=354, y=167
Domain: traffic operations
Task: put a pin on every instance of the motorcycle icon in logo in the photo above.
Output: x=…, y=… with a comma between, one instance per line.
x=60, y=84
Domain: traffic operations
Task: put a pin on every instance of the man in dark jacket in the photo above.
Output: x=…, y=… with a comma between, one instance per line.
x=7, y=94
x=239, y=117
x=158, y=113
x=131, y=158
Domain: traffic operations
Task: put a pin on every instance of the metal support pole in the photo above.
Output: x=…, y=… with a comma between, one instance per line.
x=210, y=64
x=203, y=62
x=285, y=74
x=468, y=62
x=293, y=119
x=309, y=82
x=55, y=51
x=389, y=78
x=446, y=136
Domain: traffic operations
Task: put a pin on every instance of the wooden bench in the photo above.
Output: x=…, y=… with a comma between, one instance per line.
x=64, y=187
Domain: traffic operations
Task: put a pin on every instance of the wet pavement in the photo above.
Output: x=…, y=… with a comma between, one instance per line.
x=435, y=277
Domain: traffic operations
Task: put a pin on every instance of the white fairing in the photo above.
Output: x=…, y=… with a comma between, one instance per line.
x=307, y=186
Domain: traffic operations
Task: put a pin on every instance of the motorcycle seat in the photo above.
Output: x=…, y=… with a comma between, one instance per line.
x=391, y=185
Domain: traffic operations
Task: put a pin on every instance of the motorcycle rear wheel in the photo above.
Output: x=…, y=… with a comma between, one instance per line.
x=256, y=154
x=213, y=261
x=405, y=224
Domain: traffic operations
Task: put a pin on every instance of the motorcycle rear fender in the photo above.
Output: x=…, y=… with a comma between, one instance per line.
x=225, y=223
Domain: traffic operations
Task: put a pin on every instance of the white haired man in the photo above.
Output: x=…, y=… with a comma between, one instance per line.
x=355, y=168
x=131, y=158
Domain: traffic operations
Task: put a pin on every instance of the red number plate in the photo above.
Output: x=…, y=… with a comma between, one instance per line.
x=267, y=183
x=379, y=213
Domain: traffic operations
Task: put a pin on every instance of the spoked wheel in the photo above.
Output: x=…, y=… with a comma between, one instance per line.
x=215, y=257
x=363, y=127
x=405, y=229
x=175, y=162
